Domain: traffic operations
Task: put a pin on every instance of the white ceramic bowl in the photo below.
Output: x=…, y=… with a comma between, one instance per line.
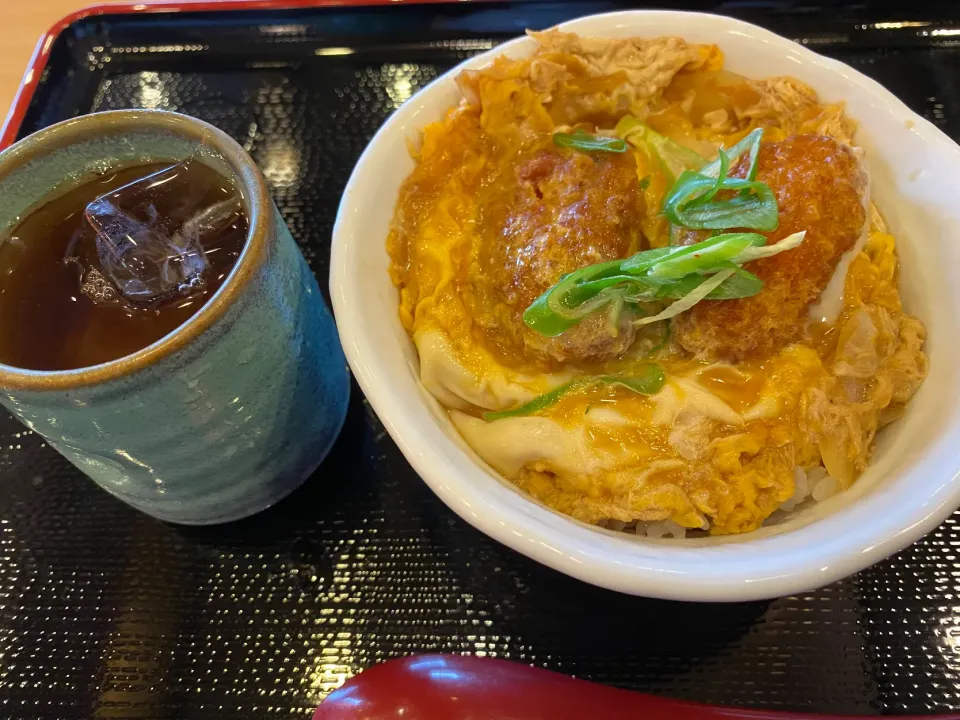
x=912, y=483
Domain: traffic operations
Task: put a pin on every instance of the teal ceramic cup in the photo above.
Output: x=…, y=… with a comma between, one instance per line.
x=235, y=408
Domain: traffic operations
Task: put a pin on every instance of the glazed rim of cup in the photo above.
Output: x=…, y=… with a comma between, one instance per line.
x=256, y=200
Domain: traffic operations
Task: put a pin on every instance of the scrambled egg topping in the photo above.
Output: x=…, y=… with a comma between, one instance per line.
x=494, y=214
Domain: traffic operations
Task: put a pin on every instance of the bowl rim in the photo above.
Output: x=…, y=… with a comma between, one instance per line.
x=761, y=568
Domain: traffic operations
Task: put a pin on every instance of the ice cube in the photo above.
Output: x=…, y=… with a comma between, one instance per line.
x=142, y=262
x=148, y=238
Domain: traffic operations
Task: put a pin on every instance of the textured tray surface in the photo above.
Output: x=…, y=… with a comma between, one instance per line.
x=107, y=613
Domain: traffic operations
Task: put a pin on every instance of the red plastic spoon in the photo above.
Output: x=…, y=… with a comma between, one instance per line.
x=462, y=687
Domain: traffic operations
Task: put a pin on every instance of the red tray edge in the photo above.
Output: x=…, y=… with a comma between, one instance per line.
x=41, y=55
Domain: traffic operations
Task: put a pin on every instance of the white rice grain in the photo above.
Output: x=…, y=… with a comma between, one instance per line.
x=800, y=492
x=815, y=475
x=664, y=529
x=827, y=487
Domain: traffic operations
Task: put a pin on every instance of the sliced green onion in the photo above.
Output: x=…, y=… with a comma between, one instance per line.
x=718, y=182
x=646, y=380
x=690, y=299
x=755, y=208
x=687, y=274
x=555, y=311
x=637, y=286
x=750, y=143
x=545, y=319
x=706, y=255
x=708, y=270
x=757, y=211
x=756, y=253
x=539, y=403
x=541, y=318
x=740, y=285
x=580, y=140
x=572, y=296
x=669, y=273
x=691, y=201
x=643, y=263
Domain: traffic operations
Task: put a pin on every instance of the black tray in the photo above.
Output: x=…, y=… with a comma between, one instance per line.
x=105, y=612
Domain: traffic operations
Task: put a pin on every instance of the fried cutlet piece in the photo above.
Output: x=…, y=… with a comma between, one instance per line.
x=821, y=187
x=567, y=210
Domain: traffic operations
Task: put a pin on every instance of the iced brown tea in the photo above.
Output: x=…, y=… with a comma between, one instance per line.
x=115, y=264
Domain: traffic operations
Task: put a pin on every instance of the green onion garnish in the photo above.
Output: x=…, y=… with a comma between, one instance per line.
x=687, y=259
x=741, y=284
x=580, y=140
x=708, y=270
x=755, y=208
x=647, y=380
x=652, y=276
x=701, y=292
x=692, y=201
x=750, y=143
